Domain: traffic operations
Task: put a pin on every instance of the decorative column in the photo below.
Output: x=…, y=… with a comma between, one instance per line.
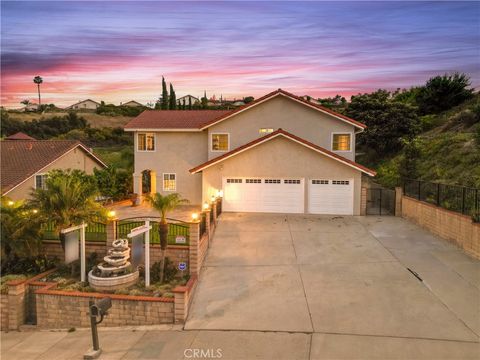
x=208, y=227
x=398, y=201
x=363, y=202
x=111, y=231
x=137, y=184
x=153, y=182
x=194, y=248
x=214, y=209
x=16, y=304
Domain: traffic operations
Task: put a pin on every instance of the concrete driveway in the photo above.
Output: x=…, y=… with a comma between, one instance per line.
x=342, y=281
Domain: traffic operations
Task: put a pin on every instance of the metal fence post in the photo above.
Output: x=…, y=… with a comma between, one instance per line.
x=463, y=199
x=419, y=189
x=438, y=194
x=476, y=200
x=380, y=201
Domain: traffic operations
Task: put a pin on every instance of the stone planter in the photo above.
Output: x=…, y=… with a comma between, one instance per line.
x=112, y=283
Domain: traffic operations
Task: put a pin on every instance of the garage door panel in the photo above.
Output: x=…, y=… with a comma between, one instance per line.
x=264, y=195
x=327, y=196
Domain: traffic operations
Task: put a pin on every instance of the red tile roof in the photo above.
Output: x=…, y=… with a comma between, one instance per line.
x=20, y=159
x=174, y=119
x=202, y=119
x=281, y=132
x=19, y=136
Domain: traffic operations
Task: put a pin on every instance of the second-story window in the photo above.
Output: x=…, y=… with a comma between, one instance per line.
x=265, y=131
x=220, y=142
x=341, y=142
x=146, y=142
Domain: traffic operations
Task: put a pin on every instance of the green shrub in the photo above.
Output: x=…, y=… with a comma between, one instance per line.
x=5, y=279
x=27, y=265
x=170, y=271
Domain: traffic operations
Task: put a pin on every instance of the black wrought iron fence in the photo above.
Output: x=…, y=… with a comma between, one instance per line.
x=203, y=224
x=178, y=231
x=461, y=199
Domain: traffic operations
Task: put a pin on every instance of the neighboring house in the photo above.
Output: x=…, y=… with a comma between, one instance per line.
x=238, y=103
x=279, y=153
x=29, y=107
x=84, y=105
x=187, y=98
x=19, y=136
x=132, y=103
x=25, y=163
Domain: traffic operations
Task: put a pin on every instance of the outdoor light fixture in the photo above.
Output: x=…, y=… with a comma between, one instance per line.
x=35, y=211
x=194, y=216
x=213, y=198
x=205, y=206
x=220, y=193
x=111, y=213
x=10, y=203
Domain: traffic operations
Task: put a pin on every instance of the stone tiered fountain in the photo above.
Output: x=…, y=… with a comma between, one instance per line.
x=116, y=271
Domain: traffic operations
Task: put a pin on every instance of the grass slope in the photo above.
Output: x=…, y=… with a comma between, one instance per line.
x=449, y=149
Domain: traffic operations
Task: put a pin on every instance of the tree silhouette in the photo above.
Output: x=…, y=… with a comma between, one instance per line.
x=38, y=80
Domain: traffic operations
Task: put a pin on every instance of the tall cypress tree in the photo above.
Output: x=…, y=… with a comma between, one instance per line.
x=173, y=98
x=164, y=105
x=204, y=101
x=189, y=103
x=184, y=106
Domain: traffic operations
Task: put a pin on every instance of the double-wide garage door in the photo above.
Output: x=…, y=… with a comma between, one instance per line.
x=287, y=195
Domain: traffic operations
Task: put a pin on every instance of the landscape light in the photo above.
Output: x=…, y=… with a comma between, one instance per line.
x=111, y=213
x=205, y=206
x=10, y=203
x=35, y=211
x=194, y=216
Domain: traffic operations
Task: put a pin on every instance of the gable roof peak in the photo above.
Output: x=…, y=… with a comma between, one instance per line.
x=290, y=136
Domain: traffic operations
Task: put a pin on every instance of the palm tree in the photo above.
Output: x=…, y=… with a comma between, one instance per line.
x=38, y=80
x=164, y=204
x=19, y=237
x=67, y=200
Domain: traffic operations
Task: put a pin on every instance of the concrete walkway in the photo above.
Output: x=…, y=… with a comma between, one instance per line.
x=306, y=287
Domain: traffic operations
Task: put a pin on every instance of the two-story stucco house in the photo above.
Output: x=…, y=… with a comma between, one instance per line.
x=279, y=153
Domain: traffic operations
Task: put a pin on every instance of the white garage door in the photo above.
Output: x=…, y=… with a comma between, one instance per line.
x=263, y=195
x=326, y=196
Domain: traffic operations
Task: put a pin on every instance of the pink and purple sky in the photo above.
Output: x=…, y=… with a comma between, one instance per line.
x=118, y=51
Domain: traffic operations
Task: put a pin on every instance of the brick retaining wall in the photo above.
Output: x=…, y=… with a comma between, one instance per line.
x=452, y=226
x=62, y=309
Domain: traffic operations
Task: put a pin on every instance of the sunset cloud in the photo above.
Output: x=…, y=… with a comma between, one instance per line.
x=117, y=51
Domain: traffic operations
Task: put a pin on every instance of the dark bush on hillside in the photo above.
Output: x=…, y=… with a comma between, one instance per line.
x=99, y=137
x=443, y=92
x=43, y=128
x=389, y=122
x=113, y=110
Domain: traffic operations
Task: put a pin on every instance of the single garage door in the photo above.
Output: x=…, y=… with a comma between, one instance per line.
x=326, y=196
x=263, y=195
